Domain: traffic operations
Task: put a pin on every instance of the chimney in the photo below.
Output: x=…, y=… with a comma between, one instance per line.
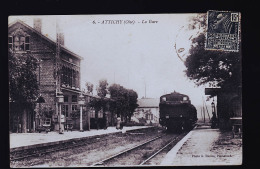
x=37, y=24
x=62, y=39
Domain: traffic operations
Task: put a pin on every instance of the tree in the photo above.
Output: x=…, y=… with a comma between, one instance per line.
x=102, y=88
x=89, y=87
x=218, y=68
x=23, y=86
x=125, y=101
x=116, y=92
x=132, y=97
x=100, y=103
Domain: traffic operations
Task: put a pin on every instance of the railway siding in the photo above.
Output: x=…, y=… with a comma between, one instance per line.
x=61, y=143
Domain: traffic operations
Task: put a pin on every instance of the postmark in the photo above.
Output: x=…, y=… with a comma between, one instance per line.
x=223, y=28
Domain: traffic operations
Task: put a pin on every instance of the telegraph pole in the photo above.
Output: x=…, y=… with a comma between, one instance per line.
x=59, y=96
x=144, y=88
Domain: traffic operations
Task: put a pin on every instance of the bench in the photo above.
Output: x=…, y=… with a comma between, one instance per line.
x=236, y=126
x=69, y=125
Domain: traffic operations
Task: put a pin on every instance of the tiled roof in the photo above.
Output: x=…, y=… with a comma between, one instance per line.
x=148, y=102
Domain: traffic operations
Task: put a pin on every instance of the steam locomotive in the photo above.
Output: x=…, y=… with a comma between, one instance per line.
x=176, y=112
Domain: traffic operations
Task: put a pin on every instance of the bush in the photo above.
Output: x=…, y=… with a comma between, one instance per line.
x=47, y=112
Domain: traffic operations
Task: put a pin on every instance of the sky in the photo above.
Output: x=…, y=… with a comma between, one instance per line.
x=138, y=56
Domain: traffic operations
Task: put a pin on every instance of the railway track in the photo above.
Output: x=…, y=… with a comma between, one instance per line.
x=149, y=152
x=157, y=152
x=168, y=143
x=22, y=154
x=36, y=152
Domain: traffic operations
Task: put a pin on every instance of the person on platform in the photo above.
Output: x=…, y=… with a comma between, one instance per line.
x=214, y=120
x=118, y=122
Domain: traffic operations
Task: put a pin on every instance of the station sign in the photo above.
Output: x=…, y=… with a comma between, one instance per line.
x=212, y=91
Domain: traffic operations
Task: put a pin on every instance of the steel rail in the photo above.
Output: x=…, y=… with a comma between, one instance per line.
x=66, y=147
x=46, y=151
x=145, y=161
x=130, y=149
x=127, y=150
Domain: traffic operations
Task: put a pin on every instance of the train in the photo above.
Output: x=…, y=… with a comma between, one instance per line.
x=177, y=114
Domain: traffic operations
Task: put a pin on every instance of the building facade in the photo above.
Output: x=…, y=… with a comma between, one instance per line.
x=23, y=38
x=147, y=111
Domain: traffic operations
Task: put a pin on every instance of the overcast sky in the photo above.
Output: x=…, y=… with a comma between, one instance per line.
x=132, y=55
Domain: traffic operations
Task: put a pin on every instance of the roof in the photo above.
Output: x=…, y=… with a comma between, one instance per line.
x=175, y=94
x=46, y=38
x=148, y=102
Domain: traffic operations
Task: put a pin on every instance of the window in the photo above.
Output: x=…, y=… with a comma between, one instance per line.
x=77, y=79
x=164, y=99
x=92, y=113
x=65, y=110
x=62, y=76
x=74, y=108
x=73, y=78
x=70, y=77
x=66, y=98
x=149, y=116
x=66, y=77
x=100, y=114
x=19, y=43
x=74, y=98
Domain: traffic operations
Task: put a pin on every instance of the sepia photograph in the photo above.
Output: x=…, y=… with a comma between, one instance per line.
x=109, y=90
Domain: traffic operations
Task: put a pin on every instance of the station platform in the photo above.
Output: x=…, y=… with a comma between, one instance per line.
x=27, y=140
x=204, y=146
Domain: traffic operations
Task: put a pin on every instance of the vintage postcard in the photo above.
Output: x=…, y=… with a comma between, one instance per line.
x=125, y=90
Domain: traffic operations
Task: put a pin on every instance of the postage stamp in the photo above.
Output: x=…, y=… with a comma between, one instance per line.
x=223, y=30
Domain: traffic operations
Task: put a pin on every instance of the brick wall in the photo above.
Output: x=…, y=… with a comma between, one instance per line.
x=40, y=45
x=47, y=72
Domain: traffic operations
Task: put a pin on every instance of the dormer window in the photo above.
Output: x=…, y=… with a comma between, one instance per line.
x=19, y=43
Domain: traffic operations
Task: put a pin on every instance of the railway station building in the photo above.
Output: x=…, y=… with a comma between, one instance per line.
x=147, y=111
x=23, y=38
